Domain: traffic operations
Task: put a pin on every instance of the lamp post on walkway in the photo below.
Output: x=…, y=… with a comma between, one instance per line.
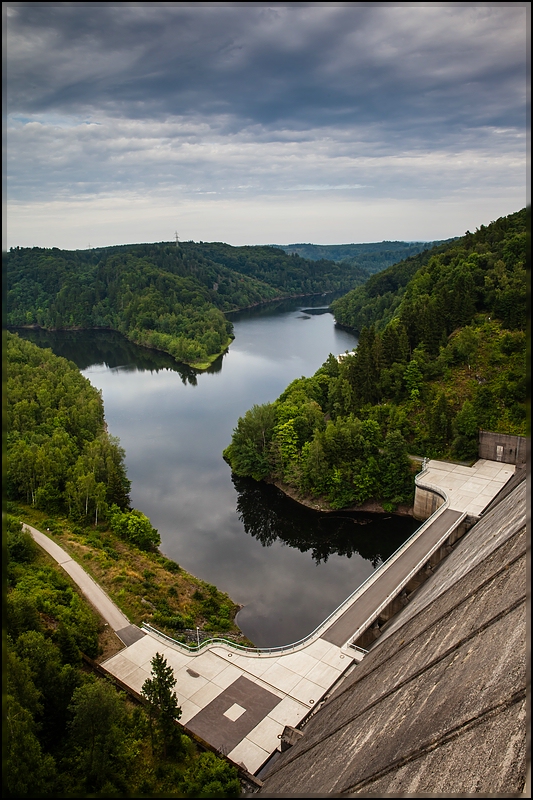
x=198, y=635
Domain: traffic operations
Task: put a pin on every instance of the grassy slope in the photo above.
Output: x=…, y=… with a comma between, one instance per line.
x=140, y=582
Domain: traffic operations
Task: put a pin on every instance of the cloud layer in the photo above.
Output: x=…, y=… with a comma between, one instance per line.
x=198, y=111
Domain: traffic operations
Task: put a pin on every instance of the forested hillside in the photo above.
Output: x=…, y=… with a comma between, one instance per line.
x=289, y=275
x=159, y=295
x=62, y=464
x=441, y=354
x=67, y=732
x=482, y=270
x=370, y=256
x=58, y=453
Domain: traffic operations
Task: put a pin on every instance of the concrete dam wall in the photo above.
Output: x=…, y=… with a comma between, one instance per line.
x=438, y=706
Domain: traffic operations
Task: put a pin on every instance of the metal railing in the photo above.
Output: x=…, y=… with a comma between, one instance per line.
x=403, y=583
x=282, y=649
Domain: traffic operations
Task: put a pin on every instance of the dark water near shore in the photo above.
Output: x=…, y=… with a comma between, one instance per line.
x=287, y=565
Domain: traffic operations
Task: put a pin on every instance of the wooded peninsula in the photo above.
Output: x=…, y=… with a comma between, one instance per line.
x=173, y=298
x=442, y=354
x=169, y=298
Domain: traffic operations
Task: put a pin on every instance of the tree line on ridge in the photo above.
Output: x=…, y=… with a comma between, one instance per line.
x=441, y=354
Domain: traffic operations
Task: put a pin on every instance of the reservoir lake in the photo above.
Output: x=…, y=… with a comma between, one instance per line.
x=288, y=566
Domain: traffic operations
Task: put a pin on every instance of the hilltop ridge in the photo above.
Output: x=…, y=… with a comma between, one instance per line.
x=370, y=256
x=170, y=298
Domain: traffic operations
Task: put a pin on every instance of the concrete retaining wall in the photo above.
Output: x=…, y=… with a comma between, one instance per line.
x=503, y=447
x=426, y=502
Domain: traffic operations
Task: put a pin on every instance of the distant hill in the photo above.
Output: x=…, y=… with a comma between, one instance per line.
x=478, y=257
x=370, y=256
x=158, y=295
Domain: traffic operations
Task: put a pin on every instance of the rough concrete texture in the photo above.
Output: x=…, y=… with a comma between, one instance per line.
x=513, y=449
x=439, y=704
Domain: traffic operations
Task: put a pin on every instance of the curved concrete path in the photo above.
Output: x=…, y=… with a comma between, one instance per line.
x=96, y=596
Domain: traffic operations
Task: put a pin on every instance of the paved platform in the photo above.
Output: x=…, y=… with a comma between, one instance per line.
x=238, y=702
x=469, y=489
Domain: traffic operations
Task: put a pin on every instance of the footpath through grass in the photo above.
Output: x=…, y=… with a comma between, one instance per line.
x=146, y=586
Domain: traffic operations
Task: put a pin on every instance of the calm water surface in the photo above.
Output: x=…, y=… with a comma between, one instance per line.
x=289, y=567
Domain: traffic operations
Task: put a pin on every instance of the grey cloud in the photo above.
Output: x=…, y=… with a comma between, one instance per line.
x=158, y=103
x=314, y=64
x=176, y=157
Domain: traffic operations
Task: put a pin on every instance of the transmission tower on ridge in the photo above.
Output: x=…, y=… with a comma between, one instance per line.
x=177, y=240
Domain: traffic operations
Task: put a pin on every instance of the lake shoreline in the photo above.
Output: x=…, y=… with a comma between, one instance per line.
x=286, y=564
x=281, y=298
x=321, y=504
x=197, y=366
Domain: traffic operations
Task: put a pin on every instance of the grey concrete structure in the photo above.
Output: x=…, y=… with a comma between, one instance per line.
x=242, y=701
x=462, y=488
x=503, y=447
x=357, y=617
x=438, y=706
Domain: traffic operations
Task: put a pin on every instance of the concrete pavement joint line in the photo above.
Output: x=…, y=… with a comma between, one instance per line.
x=450, y=735
x=341, y=609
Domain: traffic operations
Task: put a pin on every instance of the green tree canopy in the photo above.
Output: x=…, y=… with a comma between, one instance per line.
x=163, y=704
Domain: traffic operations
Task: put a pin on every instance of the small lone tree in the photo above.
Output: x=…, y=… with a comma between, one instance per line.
x=163, y=703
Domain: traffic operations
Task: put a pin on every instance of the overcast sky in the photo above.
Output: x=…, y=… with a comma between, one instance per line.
x=254, y=123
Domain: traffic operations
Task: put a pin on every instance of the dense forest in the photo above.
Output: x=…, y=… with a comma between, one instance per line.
x=371, y=256
x=171, y=298
x=441, y=355
x=58, y=452
x=481, y=271
x=68, y=732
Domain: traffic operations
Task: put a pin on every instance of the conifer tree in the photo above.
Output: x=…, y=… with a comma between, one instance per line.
x=163, y=703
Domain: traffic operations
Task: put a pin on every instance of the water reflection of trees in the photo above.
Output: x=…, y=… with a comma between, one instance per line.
x=86, y=348
x=268, y=515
